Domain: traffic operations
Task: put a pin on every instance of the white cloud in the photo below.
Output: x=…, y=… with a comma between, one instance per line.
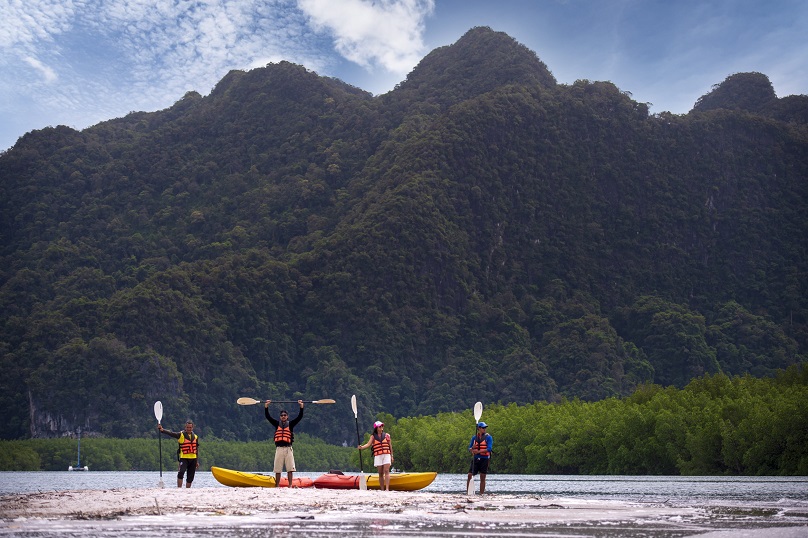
x=24, y=22
x=191, y=45
x=78, y=62
x=114, y=56
x=47, y=73
x=368, y=32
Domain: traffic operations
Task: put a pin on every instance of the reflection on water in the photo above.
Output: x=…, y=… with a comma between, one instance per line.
x=33, y=482
x=689, y=490
x=244, y=527
x=351, y=529
x=656, y=488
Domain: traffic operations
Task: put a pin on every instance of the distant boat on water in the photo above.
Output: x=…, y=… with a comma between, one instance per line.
x=78, y=466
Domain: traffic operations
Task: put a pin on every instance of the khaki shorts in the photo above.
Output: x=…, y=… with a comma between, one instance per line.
x=284, y=455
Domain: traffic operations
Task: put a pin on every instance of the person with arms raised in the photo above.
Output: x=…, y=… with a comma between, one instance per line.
x=284, y=437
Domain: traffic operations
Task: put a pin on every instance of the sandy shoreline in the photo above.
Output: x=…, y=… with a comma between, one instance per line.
x=220, y=512
x=305, y=503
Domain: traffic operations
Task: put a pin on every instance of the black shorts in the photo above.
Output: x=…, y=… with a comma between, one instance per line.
x=187, y=464
x=479, y=465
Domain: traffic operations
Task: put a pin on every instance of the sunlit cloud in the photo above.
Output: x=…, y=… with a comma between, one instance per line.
x=78, y=62
x=388, y=33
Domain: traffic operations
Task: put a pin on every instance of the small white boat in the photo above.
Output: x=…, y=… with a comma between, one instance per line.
x=78, y=466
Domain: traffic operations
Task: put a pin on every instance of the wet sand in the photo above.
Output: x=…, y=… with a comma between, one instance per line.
x=105, y=504
x=30, y=511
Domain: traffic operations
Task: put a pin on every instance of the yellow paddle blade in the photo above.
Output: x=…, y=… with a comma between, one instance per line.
x=253, y=401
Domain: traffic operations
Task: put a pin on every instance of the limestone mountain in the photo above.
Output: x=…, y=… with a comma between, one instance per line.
x=481, y=232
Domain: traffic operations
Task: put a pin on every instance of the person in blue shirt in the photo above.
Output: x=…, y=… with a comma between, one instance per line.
x=480, y=446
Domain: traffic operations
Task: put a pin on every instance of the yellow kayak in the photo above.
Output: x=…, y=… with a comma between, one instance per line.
x=240, y=479
x=404, y=481
x=398, y=481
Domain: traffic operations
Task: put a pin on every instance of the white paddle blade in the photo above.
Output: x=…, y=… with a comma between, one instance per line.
x=158, y=411
x=326, y=401
x=478, y=412
x=363, y=482
x=247, y=401
x=353, y=406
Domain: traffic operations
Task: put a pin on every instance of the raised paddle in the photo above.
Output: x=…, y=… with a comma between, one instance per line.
x=363, y=481
x=253, y=401
x=478, y=412
x=158, y=414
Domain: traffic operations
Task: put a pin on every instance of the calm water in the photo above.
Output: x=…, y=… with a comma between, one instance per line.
x=757, y=507
x=670, y=489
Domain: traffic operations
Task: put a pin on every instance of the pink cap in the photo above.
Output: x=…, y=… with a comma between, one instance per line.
x=377, y=424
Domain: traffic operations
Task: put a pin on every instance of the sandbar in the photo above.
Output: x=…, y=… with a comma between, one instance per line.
x=233, y=506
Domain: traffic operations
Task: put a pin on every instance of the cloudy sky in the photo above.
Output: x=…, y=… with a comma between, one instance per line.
x=79, y=62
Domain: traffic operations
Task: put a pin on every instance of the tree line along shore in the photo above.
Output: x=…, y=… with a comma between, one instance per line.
x=716, y=425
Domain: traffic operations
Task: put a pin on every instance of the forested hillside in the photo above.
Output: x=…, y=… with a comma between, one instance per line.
x=479, y=233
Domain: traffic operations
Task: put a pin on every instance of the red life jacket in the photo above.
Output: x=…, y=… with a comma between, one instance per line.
x=283, y=435
x=189, y=446
x=381, y=447
x=482, y=446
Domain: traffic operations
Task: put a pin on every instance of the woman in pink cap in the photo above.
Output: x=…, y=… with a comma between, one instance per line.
x=382, y=453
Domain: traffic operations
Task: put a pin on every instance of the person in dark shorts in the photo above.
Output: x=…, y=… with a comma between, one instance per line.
x=187, y=453
x=480, y=446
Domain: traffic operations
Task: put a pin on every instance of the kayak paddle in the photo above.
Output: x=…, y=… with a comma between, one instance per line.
x=363, y=481
x=253, y=401
x=158, y=414
x=478, y=412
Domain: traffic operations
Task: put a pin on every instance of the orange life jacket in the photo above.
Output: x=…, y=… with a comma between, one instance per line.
x=283, y=435
x=383, y=446
x=189, y=446
x=482, y=446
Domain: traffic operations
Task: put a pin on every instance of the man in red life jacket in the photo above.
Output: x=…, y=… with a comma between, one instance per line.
x=481, y=446
x=284, y=437
x=188, y=452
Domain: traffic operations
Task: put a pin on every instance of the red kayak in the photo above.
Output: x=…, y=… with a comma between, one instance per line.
x=337, y=481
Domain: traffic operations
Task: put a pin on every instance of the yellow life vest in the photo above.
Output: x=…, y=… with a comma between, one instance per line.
x=189, y=447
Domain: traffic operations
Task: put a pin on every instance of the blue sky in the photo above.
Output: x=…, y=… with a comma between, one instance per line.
x=79, y=62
